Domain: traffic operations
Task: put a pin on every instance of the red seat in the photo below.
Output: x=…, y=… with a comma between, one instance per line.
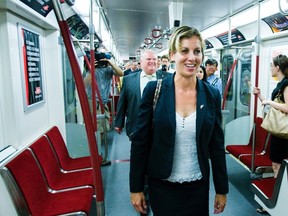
x=260, y=140
x=262, y=162
x=55, y=177
x=273, y=190
x=66, y=162
x=39, y=201
x=266, y=186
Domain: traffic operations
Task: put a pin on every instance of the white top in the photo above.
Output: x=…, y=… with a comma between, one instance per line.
x=185, y=161
x=145, y=78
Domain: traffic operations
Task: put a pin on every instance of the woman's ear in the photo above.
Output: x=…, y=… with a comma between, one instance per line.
x=171, y=56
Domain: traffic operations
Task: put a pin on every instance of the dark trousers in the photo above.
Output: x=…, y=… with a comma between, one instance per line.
x=176, y=199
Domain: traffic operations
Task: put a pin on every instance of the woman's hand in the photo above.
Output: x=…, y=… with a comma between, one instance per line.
x=256, y=91
x=219, y=203
x=139, y=203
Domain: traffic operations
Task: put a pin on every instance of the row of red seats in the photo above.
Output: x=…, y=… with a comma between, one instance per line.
x=45, y=180
x=260, y=162
x=266, y=190
x=271, y=193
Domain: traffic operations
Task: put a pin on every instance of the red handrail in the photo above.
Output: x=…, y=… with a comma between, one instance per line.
x=95, y=159
x=228, y=83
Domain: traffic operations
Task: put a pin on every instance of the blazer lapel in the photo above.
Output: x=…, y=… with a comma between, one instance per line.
x=201, y=107
x=169, y=101
x=136, y=85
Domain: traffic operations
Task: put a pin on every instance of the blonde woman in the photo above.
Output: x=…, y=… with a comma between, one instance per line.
x=173, y=143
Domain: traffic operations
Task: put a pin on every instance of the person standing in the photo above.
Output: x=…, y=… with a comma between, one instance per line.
x=173, y=143
x=132, y=69
x=131, y=93
x=105, y=69
x=278, y=146
x=201, y=73
x=211, y=67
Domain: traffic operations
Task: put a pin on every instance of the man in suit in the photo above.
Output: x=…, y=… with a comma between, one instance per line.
x=133, y=68
x=132, y=88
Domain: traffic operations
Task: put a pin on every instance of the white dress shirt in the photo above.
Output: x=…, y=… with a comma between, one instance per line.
x=144, y=79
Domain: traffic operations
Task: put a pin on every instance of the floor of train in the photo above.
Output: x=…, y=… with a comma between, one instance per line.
x=115, y=177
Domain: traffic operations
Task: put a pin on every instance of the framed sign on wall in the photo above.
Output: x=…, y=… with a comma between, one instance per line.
x=30, y=56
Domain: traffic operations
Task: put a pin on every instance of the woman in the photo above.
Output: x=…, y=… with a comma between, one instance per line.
x=172, y=145
x=201, y=73
x=278, y=146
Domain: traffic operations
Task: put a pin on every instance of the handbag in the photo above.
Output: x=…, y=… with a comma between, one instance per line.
x=276, y=122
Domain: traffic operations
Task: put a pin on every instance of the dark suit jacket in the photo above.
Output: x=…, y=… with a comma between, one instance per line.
x=129, y=101
x=152, y=150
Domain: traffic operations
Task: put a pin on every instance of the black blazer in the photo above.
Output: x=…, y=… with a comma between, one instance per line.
x=129, y=101
x=152, y=147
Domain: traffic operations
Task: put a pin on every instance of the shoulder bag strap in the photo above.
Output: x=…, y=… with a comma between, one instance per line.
x=215, y=81
x=156, y=94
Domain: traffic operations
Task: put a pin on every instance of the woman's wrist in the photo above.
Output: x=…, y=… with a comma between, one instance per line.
x=260, y=98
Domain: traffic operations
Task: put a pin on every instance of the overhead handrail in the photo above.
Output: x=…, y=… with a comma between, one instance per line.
x=95, y=159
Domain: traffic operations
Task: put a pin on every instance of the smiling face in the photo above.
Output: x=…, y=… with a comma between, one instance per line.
x=149, y=62
x=188, y=57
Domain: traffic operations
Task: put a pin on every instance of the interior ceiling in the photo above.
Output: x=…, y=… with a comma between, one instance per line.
x=131, y=21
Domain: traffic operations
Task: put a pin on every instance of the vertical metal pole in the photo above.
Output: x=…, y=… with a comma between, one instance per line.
x=257, y=41
x=92, y=63
x=95, y=160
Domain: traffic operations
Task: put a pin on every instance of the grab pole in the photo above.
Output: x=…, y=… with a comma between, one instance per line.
x=97, y=176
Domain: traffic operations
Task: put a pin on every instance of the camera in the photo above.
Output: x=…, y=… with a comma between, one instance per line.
x=98, y=57
x=164, y=68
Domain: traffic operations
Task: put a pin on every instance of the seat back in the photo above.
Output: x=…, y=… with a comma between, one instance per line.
x=47, y=159
x=28, y=180
x=64, y=160
x=260, y=135
x=59, y=146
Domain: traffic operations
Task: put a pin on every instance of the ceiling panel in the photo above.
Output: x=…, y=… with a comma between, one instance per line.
x=131, y=21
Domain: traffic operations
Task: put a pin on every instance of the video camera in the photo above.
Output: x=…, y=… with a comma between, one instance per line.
x=98, y=57
x=164, y=68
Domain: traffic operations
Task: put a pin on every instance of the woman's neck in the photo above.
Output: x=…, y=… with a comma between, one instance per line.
x=186, y=84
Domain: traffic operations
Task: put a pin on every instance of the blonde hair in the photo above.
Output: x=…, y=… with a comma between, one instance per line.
x=181, y=33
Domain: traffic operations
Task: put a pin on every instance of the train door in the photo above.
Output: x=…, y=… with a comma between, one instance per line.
x=69, y=89
x=236, y=65
x=236, y=79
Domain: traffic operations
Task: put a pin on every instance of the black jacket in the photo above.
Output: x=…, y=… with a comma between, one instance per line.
x=152, y=147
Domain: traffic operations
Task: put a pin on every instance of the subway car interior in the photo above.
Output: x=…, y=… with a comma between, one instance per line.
x=54, y=160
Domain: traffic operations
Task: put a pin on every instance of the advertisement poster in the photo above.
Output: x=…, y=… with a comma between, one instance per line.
x=42, y=7
x=277, y=22
x=236, y=36
x=208, y=44
x=77, y=27
x=31, y=64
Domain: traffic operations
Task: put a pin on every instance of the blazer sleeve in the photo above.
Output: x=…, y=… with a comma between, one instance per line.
x=141, y=139
x=122, y=105
x=217, y=151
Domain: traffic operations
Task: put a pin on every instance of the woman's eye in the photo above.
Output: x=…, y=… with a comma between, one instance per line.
x=185, y=51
